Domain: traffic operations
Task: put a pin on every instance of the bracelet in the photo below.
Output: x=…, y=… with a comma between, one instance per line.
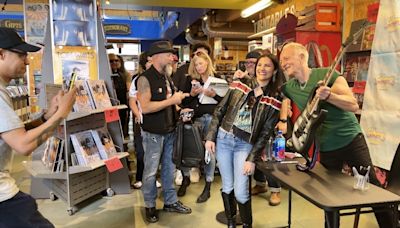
x=283, y=120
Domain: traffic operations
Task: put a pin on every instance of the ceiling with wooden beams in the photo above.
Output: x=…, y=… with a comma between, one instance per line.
x=207, y=4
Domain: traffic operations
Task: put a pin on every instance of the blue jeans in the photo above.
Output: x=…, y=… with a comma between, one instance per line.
x=231, y=156
x=158, y=148
x=204, y=122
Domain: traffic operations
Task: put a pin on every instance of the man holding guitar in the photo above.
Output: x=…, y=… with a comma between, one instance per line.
x=328, y=107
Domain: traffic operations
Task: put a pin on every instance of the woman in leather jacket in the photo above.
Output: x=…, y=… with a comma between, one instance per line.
x=241, y=125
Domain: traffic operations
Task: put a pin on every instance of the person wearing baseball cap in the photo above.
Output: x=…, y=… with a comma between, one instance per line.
x=158, y=99
x=18, y=209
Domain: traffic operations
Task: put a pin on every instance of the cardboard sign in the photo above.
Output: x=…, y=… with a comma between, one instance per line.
x=113, y=164
x=111, y=115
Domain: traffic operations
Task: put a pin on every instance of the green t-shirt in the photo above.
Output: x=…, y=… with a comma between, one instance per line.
x=339, y=127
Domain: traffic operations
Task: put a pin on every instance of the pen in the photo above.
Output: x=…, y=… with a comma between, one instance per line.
x=289, y=162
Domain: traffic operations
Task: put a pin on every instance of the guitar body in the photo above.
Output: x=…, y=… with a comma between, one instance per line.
x=305, y=127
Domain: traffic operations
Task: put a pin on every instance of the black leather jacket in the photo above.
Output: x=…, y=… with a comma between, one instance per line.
x=267, y=115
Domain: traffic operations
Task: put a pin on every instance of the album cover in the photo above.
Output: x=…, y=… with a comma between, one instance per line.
x=99, y=94
x=85, y=147
x=104, y=142
x=83, y=102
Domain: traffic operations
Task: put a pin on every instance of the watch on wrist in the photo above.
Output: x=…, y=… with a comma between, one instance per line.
x=283, y=120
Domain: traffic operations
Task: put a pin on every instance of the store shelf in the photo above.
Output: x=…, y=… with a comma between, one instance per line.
x=95, y=165
x=78, y=115
x=38, y=170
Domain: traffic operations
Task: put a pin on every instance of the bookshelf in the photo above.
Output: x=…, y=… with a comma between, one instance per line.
x=77, y=183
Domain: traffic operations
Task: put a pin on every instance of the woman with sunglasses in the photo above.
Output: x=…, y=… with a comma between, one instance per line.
x=200, y=70
x=241, y=125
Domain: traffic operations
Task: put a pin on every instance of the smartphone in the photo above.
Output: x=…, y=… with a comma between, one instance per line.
x=196, y=84
x=72, y=82
x=188, y=114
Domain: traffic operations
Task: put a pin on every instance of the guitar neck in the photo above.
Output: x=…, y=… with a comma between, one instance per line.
x=315, y=101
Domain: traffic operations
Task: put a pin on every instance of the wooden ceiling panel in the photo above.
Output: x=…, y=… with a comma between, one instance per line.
x=207, y=4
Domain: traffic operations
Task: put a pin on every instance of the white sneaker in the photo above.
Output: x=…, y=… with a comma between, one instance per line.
x=178, y=177
x=194, y=175
x=137, y=185
x=158, y=184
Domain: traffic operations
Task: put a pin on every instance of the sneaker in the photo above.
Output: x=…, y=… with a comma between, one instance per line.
x=177, y=207
x=158, y=184
x=258, y=189
x=178, y=177
x=275, y=199
x=194, y=175
x=137, y=185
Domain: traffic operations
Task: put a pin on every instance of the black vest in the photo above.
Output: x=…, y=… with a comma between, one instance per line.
x=163, y=121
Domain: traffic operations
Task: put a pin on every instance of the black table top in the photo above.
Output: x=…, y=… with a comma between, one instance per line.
x=329, y=190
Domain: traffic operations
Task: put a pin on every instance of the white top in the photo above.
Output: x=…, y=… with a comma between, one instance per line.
x=9, y=120
x=133, y=93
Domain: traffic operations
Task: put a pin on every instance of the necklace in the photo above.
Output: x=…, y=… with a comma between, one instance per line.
x=302, y=86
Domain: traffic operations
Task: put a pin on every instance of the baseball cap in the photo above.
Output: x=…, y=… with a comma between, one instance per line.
x=10, y=39
x=253, y=54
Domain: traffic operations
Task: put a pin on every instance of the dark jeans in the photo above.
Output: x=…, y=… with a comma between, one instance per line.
x=123, y=116
x=138, y=142
x=355, y=154
x=259, y=176
x=21, y=211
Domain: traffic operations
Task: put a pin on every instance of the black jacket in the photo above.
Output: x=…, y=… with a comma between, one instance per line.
x=194, y=103
x=265, y=119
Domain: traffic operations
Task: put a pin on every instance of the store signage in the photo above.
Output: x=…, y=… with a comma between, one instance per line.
x=270, y=21
x=132, y=29
x=117, y=29
x=12, y=23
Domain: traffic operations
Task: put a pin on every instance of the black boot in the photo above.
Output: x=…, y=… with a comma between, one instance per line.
x=230, y=208
x=185, y=184
x=205, y=194
x=246, y=214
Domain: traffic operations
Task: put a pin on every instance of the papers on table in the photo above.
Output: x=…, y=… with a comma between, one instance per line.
x=220, y=86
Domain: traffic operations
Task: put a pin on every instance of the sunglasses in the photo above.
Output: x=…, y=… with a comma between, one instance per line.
x=114, y=60
x=20, y=54
x=249, y=63
x=198, y=53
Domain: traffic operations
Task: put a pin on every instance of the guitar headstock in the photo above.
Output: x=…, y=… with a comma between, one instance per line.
x=353, y=38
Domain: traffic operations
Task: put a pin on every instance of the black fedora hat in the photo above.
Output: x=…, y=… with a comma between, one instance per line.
x=9, y=39
x=160, y=47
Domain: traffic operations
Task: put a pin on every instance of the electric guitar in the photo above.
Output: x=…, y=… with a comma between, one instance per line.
x=312, y=116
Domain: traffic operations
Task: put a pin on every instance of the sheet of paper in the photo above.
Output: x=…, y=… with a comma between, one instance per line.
x=220, y=86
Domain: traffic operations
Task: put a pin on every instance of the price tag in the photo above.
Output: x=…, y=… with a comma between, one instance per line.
x=111, y=115
x=113, y=164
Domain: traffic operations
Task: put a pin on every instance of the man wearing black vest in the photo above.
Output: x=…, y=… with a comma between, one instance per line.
x=158, y=101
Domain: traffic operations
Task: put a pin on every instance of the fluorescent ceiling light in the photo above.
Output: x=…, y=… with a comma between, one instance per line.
x=262, y=4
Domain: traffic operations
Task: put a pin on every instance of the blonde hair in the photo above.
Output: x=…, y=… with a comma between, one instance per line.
x=210, y=71
x=299, y=49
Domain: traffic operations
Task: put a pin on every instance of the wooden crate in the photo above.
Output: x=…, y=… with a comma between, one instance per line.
x=320, y=17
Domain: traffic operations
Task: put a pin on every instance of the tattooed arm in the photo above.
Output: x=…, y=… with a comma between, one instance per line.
x=24, y=142
x=149, y=106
